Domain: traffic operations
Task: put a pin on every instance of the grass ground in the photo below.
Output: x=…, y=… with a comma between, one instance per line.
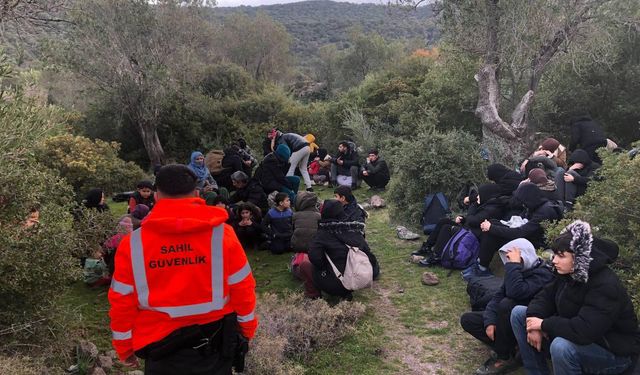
x=408, y=328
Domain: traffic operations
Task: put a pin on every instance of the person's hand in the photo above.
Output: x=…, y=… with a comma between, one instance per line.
x=568, y=177
x=245, y=222
x=247, y=162
x=340, y=161
x=534, y=338
x=485, y=226
x=365, y=173
x=466, y=201
x=491, y=332
x=131, y=361
x=534, y=324
x=514, y=255
x=575, y=166
x=458, y=219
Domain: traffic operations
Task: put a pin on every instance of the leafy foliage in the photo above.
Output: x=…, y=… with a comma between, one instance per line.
x=35, y=262
x=88, y=164
x=429, y=162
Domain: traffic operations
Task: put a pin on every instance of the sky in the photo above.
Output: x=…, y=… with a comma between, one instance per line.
x=233, y=3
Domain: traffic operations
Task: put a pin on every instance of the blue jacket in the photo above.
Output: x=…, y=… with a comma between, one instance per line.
x=520, y=286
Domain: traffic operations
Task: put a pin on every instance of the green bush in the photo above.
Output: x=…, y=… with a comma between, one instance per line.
x=431, y=162
x=87, y=164
x=35, y=263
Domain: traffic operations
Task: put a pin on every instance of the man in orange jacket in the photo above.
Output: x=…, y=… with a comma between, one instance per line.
x=177, y=282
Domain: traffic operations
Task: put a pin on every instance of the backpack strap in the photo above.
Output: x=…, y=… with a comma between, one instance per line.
x=335, y=269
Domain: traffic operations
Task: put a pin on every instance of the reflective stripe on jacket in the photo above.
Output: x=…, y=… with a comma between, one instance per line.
x=184, y=266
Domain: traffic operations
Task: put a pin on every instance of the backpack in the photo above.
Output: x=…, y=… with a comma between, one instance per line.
x=460, y=251
x=481, y=290
x=358, y=271
x=435, y=208
x=213, y=161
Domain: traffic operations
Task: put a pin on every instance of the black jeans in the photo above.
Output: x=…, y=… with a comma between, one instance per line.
x=505, y=342
x=440, y=234
x=189, y=361
x=489, y=245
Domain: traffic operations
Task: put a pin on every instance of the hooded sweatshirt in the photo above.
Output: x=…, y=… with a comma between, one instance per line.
x=305, y=221
x=332, y=238
x=537, y=210
x=522, y=281
x=584, y=174
x=590, y=305
x=505, y=177
x=492, y=205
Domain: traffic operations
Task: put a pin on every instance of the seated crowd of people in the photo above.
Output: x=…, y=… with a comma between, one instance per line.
x=266, y=209
x=573, y=308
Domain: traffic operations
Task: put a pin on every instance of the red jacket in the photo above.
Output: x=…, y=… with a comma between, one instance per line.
x=184, y=266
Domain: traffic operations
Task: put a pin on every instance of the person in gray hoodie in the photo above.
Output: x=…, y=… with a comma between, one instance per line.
x=525, y=275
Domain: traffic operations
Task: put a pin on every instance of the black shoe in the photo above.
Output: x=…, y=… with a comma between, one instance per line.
x=423, y=250
x=310, y=189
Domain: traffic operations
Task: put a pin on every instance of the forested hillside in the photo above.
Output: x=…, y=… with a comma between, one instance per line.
x=313, y=24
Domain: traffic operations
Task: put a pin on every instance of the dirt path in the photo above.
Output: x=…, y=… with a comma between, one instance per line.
x=403, y=346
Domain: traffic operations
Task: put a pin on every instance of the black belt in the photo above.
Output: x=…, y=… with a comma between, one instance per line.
x=206, y=338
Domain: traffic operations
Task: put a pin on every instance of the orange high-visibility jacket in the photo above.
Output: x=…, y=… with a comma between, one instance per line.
x=182, y=267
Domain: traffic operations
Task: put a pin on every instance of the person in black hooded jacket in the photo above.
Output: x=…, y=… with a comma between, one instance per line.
x=331, y=239
x=585, y=319
x=248, y=190
x=573, y=183
x=495, y=233
x=508, y=179
x=271, y=173
x=231, y=163
x=489, y=204
x=587, y=134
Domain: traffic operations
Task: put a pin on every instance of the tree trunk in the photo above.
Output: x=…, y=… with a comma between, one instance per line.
x=149, y=134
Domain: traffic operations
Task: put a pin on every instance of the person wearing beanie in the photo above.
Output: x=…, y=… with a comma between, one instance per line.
x=587, y=134
x=352, y=210
x=525, y=275
x=375, y=171
x=584, y=319
x=573, y=183
x=548, y=187
x=335, y=233
x=496, y=233
x=346, y=164
x=271, y=173
x=489, y=204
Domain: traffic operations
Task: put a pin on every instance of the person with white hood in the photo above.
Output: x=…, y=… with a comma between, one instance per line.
x=525, y=275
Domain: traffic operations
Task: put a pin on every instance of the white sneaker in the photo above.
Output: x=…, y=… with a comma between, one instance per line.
x=313, y=183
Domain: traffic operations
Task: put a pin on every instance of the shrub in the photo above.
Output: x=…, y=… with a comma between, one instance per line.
x=35, y=263
x=291, y=327
x=431, y=162
x=88, y=164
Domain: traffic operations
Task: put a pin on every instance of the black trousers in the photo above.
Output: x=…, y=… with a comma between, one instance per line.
x=440, y=234
x=375, y=181
x=505, y=342
x=189, y=362
x=489, y=245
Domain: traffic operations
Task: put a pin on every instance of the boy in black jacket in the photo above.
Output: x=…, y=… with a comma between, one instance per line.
x=525, y=275
x=585, y=318
x=279, y=225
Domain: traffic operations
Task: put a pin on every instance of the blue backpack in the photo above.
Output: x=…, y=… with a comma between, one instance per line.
x=460, y=251
x=435, y=208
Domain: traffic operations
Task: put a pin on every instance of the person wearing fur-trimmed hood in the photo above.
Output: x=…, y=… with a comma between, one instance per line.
x=335, y=232
x=585, y=319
